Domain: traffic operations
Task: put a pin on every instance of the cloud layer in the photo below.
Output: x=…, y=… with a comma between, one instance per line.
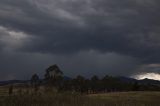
x=112, y=32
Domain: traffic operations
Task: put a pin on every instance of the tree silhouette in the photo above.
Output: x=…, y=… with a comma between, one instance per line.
x=135, y=86
x=54, y=76
x=53, y=72
x=10, y=90
x=35, y=81
x=95, y=84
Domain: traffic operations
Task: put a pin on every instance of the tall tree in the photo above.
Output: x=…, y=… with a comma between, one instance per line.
x=54, y=75
x=53, y=72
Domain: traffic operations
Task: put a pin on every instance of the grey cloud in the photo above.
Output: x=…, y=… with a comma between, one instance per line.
x=69, y=27
x=22, y=65
x=148, y=68
x=12, y=40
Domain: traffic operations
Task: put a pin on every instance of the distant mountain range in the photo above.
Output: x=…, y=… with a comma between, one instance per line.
x=124, y=79
x=143, y=81
x=8, y=82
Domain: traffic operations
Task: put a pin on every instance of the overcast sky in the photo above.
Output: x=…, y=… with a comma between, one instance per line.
x=87, y=37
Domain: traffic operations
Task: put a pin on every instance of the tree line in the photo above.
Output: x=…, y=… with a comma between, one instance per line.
x=54, y=78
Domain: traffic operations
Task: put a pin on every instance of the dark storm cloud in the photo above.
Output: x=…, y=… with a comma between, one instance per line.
x=61, y=27
x=130, y=27
x=23, y=65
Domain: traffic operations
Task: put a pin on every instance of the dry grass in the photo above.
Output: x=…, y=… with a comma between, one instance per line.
x=52, y=98
x=129, y=98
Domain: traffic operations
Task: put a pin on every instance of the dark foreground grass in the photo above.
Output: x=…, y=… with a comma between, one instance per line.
x=75, y=99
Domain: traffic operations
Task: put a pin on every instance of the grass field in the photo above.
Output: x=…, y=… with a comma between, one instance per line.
x=74, y=99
